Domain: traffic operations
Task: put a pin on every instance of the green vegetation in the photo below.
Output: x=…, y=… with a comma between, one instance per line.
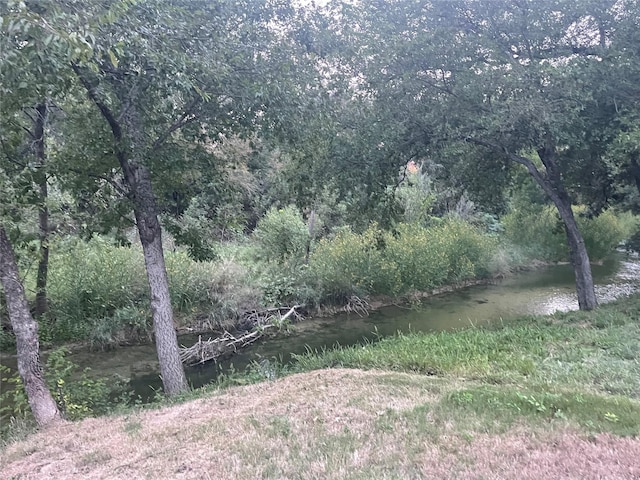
x=541, y=223
x=77, y=393
x=410, y=258
x=576, y=367
x=288, y=157
x=98, y=291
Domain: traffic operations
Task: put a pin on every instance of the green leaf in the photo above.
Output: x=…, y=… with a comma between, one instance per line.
x=113, y=58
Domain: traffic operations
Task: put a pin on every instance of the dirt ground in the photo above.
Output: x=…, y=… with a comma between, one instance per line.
x=329, y=424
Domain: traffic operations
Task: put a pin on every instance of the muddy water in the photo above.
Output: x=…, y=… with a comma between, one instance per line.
x=534, y=292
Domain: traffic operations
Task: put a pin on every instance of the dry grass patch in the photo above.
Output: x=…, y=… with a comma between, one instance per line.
x=328, y=424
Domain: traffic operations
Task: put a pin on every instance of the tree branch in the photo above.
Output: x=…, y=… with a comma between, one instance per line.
x=184, y=119
x=106, y=112
x=496, y=147
x=110, y=181
x=116, y=130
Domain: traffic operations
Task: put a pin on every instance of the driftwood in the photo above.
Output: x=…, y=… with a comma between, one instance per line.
x=228, y=343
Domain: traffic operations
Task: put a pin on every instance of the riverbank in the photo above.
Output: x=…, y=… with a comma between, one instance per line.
x=541, y=397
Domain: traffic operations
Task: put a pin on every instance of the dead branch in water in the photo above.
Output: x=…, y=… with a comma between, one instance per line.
x=357, y=305
x=228, y=343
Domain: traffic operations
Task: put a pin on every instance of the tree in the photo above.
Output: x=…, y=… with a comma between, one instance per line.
x=500, y=83
x=42, y=404
x=166, y=90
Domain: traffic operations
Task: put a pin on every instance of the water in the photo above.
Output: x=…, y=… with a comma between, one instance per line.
x=535, y=292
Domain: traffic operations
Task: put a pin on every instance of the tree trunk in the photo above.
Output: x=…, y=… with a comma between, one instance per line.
x=579, y=258
x=41, y=305
x=42, y=405
x=552, y=184
x=138, y=181
x=145, y=210
x=635, y=169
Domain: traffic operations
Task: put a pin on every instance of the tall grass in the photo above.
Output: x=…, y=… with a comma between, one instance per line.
x=99, y=291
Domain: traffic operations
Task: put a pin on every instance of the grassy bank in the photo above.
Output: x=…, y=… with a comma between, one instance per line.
x=539, y=397
x=577, y=368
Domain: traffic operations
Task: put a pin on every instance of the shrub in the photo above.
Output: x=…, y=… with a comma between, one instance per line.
x=99, y=291
x=602, y=234
x=351, y=263
x=420, y=254
x=540, y=232
x=282, y=235
x=92, y=280
x=469, y=251
x=231, y=291
x=412, y=258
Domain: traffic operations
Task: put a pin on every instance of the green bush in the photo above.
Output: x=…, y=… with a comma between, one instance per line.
x=469, y=251
x=420, y=254
x=282, y=235
x=605, y=232
x=127, y=324
x=409, y=259
x=99, y=291
x=351, y=263
x=540, y=232
x=89, y=281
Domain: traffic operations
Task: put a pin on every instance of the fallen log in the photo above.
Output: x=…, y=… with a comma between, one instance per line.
x=227, y=343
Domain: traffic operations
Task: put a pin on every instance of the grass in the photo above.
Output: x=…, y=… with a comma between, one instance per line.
x=341, y=423
x=597, y=352
x=541, y=397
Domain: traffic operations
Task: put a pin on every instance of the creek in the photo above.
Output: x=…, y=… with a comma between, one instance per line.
x=541, y=291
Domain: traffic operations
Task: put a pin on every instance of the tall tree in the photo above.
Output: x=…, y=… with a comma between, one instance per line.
x=168, y=80
x=502, y=83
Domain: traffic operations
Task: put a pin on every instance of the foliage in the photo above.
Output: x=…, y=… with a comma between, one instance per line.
x=602, y=234
x=91, y=281
x=98, y=292
x=78, y=394
x=282, y=235
x=282, y=285
x=416, y=196
x=351, y=263
x=215, y=292
x=13, y=398
x=126, y=325
x=540, y=233
x=412, y=258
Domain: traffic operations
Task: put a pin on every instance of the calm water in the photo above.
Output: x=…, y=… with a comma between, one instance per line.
x=537, y=292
